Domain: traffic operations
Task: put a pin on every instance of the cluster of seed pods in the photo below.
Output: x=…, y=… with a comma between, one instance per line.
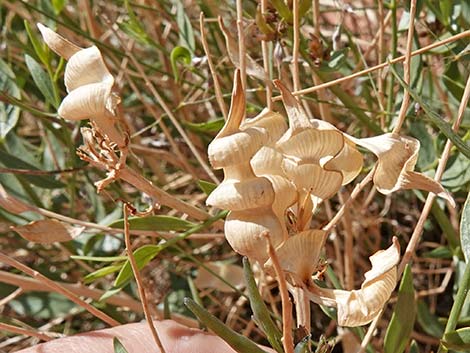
x=270, y=168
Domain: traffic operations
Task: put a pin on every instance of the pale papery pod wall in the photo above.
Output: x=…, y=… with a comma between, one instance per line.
x=312, y=159
x=90, y=87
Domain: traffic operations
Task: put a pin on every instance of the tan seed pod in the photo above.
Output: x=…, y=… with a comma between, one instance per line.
x=397, y=156
x=86, y=67
x=349, y=162
x=359, y=307
x=57, y=43
x=299, y=255
x=267, y=161
x=238, y=195
x=89, y=84
x=244, y=232
x=305, y=140
x=236, y=148
x=310, y=177
x=273, y=123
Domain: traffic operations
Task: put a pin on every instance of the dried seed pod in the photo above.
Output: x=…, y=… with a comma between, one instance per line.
x=89, y=84
x=349, y=162
x=239, y=195
x=359, y=307
x=57, y=43
x=310, y=177
x=299, y=255
x=250, y=198
x=244, y=232
x=397, y=156
x=274, y=124
x=268, y=161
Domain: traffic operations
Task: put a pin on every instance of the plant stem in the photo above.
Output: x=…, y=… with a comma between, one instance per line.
x=458, y=304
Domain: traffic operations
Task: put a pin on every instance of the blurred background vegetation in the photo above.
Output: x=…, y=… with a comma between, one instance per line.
x=38, y=163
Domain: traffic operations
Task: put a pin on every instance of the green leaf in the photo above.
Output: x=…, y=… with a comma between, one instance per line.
x=414, y=348
x=118, y=346
x=428, y=321
x=336, y=61
x=38, y=46
x=403, y=318
x=457, y=174
x=42, y=80
x=43, y=181
x=93, y=276
x=155, y=223
x=207, y=127
x=442, y=252
x=434, y=118
x=9, y=114
x=260, y=310
x=465, y=229
x=58, y=6
x=452, y=80
x=143, y=256
x=206, y=186
x=186, y=32
x=283, y=10
x=458, y=340
x=239, y=343
x=180, y=54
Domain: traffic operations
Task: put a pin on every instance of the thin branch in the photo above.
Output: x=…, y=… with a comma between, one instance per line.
x=58, y=288
x=138, y=279
x=406, y=66
x=241, y=42
x=167, y=109
x=287, y=339
x=264, y=51
x=357, y=189
x=296, y=46
x=215, y=79
x=23, y=331
x=440, y=170
x=377, y=67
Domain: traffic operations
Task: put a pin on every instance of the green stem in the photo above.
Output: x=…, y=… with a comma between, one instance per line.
x=458, y=304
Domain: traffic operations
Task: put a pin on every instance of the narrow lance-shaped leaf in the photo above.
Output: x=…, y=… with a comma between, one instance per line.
x=239, y=343
x=118, y=346
x=465, y=229
x=403, y=318
x=260, y=310
x=458, y=340
x=42, y=80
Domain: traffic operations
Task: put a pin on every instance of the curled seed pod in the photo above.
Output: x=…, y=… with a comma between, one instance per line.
x=359, y=307
x=89, y=84
x=299, y=255
x=310, y=177
x=267, y=161
x=274, y=124
x=237, y=195
x=244, y=232
x=57, y=43
x=247, y=196
x=348, y=162
x=397, y=156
